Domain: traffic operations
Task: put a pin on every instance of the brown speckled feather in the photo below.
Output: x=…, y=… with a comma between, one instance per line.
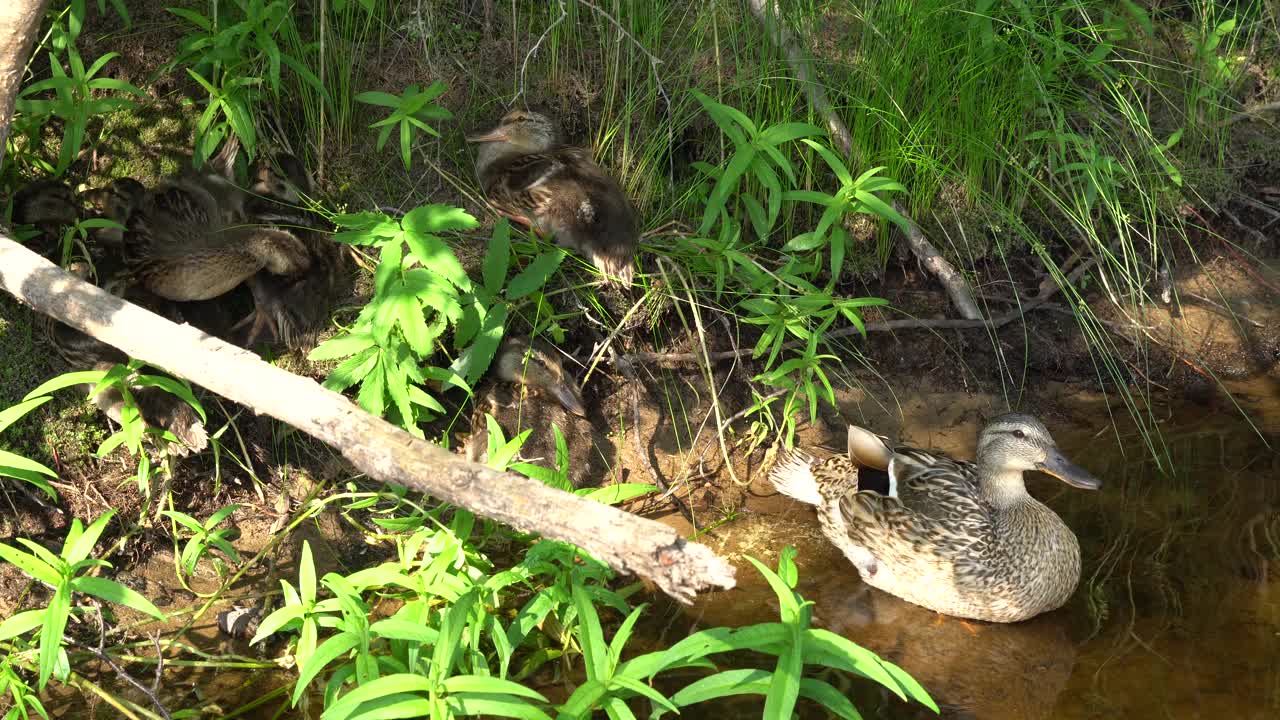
x=565, y=194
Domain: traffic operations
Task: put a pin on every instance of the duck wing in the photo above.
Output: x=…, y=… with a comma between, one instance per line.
x=935, y=485
x=937, y=511
x=520, y=187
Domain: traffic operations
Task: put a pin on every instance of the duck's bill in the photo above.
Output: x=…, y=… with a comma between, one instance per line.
x=494, y=135
x=1059, y=466
x=569, y=399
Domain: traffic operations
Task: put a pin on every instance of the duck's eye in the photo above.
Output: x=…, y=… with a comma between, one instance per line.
x=1019, y=434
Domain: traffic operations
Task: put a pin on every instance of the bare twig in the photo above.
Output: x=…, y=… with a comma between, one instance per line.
x=564, y=13
x=623, y=541
x=1253, y=232
x=665, y=359
x=768, y=14
x=654, y=62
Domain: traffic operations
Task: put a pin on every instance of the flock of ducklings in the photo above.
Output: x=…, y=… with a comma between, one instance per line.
x=195, y=245
x=961, y=538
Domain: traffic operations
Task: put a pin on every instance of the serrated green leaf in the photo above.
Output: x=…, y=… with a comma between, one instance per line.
x=536, y=274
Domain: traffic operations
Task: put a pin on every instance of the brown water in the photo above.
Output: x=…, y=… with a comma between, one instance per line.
x=1178, y=610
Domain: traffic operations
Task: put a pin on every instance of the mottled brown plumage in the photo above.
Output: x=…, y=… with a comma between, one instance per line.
x=293, y=308
x=115, y=201
x=188, y=239
x=961, y=538
x=557, y=190
x=47, y=204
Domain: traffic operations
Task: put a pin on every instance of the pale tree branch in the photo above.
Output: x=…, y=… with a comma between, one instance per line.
x=625, y=542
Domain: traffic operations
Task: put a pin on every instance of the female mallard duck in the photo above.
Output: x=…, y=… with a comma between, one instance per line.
x=531, y=178
x=292, y=307
x=188, y=240
x=960, y=538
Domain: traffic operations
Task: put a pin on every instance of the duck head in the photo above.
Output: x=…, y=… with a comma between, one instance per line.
x=520, y=132
x=1013, y=443
x=282, y=178
x=116, y=202
x=519, y=361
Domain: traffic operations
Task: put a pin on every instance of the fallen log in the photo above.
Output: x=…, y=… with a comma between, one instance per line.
x=627, y=543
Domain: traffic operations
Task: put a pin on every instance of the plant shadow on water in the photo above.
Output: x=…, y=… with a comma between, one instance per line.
x=1177, y=614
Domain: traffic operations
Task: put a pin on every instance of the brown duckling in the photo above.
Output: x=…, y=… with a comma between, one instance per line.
x=293, y=308
x=159, y=408
x=187, y=239
x=530, y=177
x=527, y=363
x=115, y=201
x=49, y=205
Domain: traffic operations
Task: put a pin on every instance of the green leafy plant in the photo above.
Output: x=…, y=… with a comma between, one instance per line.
x=123, y=379
x=756, y=150
x=24, y=700
x=410, y=112
x=76, y=100
x=204, y=537
x=856, y=195
x=16, y=466
x=224, y=53
x=421, y=292
x=796, y=644
x=66, y=574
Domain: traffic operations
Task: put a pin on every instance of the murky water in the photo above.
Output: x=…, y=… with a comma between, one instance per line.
x=1178, y=610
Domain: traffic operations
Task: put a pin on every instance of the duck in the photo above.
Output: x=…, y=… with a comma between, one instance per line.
x=49, y=205
x=188, y=239
x=159, y=409
x=529, y=364
x=529, y=176
x=114, y=201
x=961, y=538
x=292, y=309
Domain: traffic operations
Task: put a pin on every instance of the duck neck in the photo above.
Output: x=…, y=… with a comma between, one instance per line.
x=1002, y=487
x=489, y=154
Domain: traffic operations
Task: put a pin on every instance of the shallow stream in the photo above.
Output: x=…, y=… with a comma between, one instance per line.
x=1178, y=610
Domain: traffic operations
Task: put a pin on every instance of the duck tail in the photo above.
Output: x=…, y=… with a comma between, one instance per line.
x=793, y=476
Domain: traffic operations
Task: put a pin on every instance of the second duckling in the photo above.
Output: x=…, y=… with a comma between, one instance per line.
x=530, y=177
x=526, y=363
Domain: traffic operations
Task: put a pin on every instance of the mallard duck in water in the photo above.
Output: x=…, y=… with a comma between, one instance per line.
x=159, y=408
x=524, y=362
x=960, y=538
x=555, y=189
